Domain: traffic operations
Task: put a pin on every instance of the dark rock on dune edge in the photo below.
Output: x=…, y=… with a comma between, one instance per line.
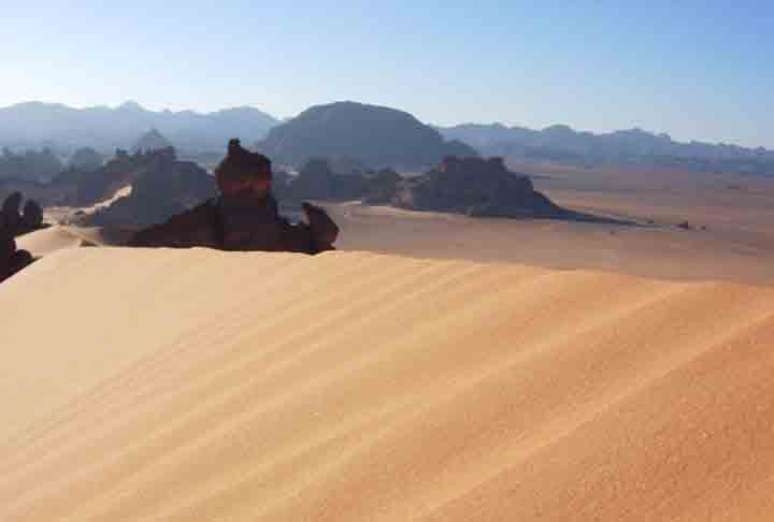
x=15, y=222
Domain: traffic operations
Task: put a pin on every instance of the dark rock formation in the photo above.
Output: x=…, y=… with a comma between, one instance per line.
x=14, y=223
x=316, y=180
x=11, y=259
x=476, y=187
x=11, y=214
x=483, y=188
x=85, y=187
x=7, y=244
x=32, y=216
x=473, y=186
x=207, y=225
x=375, y=137
x=381, y=187
x=162, y=186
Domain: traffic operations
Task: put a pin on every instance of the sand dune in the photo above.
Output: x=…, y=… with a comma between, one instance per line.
x=49, y=240
x=61, y=237
x=198, y=385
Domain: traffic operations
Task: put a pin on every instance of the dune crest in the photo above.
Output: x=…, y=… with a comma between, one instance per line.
x=202, y=385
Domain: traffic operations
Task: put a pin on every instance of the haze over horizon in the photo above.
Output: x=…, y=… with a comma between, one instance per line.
x=692, y=71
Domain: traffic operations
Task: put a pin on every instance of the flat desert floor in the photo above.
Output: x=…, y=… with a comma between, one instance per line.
x=731, y=220
x=435, y=368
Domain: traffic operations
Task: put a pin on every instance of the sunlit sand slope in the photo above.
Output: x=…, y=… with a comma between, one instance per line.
x=49, y=240
x=199, y=386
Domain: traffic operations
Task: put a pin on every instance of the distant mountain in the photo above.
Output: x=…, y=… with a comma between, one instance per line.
x=151, y=141
x=366, y=134
x=634, y=147
x=36, y=124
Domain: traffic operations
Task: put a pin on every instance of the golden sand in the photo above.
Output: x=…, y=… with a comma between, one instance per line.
x=198, y=386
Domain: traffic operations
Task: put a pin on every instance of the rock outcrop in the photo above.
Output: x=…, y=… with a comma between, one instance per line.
x=469, y=185
x=316, y=180
x=11, y=259
x=32, y=215
x=381, y=187
x=476, y=187
x=162, y=186
x=10, y=210
x=15, y=223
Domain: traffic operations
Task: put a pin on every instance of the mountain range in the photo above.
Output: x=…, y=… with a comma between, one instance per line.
x=633, y=147
x=361, y=135
x=37, y=124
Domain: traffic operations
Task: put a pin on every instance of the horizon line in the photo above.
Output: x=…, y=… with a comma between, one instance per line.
x=131, y=103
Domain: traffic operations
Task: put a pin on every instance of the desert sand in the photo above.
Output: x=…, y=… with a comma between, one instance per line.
x=199, y=385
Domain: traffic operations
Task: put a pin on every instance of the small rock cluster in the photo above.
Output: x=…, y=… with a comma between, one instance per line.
x=14, y=222
x=17, y=221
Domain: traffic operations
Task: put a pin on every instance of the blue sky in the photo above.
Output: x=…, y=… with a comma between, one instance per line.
x=696, y=69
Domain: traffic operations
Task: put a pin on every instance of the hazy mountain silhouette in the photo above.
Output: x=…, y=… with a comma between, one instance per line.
x=150, y=141
x=36, y=124
x=367, y=134
x=634, y=147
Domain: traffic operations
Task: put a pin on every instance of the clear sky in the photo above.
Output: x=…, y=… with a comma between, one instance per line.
x=698, y=69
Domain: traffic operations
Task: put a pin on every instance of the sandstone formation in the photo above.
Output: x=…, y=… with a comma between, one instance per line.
x=162, y=186
x=316, y=180
x=476, y=187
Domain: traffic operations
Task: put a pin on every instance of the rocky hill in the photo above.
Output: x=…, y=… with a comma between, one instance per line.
x=373, y=136
x=162, y=186
x=476, y=187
